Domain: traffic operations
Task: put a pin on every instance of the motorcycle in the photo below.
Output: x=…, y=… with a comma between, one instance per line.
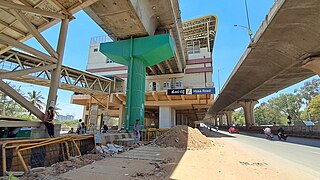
x=269, y=136
x=282, y=136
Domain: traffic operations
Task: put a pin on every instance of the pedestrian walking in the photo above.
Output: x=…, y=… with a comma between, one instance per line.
x=48, y=121
x=136, y=132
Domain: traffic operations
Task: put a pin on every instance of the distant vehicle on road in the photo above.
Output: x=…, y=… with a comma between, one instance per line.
x=233, y=130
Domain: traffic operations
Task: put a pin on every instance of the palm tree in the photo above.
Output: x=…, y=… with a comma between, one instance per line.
x=56, y=109
x=36, y=99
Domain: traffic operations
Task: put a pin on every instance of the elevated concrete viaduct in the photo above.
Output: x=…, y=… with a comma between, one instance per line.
x=284, y=51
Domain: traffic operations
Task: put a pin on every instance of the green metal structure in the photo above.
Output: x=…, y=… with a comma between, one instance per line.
x=137, y=53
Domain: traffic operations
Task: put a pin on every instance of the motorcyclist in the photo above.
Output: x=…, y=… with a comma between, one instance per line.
x=267, y=131
x=281, y=133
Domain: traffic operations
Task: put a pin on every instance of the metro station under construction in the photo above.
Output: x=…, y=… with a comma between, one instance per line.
x=150, y=72
x=157, y=70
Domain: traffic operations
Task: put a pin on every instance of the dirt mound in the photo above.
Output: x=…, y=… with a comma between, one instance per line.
x=184, y=137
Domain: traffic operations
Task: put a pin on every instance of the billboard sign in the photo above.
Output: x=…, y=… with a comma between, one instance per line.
x=173, y=92
x=176, y=91
x=203, y=91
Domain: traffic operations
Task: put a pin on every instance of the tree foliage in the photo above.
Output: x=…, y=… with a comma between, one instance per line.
x=36, y=99
x=301, y=105
x=238, y=117
x=9, y=107
x=314, y=107
x=309, y=90
x=287, y=104
x=265, y=115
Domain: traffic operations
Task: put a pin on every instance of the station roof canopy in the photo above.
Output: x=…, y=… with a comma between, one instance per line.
x=23, y=19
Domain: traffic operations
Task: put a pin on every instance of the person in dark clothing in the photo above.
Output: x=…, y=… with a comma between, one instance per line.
x=281, y=130
x=105, y=128
x=48, y=121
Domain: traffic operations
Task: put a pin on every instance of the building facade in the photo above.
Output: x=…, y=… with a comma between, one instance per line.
x=173, y=97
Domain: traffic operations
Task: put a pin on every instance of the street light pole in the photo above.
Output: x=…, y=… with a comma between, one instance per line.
x=249, y=31
x=247, y=13
x=219, y=80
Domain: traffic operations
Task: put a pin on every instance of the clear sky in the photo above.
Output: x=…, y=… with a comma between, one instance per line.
x=230, y=41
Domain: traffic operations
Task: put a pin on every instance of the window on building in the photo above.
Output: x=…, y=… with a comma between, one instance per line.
x=166, y=85
x=95, y=50
x=193, y=47
x=108, y=61
x=178, y=84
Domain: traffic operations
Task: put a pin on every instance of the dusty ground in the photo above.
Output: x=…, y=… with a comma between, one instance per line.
x=230, y=160
x=226, y=159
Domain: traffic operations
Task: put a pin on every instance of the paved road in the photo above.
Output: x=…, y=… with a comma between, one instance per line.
x=302, y=151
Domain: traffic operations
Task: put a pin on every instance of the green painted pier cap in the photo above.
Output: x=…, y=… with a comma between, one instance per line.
x=151, y=49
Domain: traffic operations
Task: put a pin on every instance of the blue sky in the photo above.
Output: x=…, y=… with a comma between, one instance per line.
x=230, y=41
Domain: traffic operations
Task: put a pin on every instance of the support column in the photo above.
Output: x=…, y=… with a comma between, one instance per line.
x=165, y=117
x=137, y=53
x=121, y=116
x=56, y=73
x=173, y=118
x=216, y=120
x=229, y=117
x=220, y=119
x=248, y=106
x=312, y=64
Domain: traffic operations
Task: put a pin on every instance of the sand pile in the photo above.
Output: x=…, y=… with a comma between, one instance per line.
x=184, y=137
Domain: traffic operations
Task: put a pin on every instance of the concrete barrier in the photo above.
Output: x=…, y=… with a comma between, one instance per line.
x=298, y=131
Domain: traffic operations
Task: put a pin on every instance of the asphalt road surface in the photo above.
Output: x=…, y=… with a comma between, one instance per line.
x=301, y=151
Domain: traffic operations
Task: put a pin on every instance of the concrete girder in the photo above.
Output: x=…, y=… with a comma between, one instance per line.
x=162, y=70
x=248, y=107
x=169, y=66
x=8, y=90
x=278, y=50
x=123, y=15
x=312, y=64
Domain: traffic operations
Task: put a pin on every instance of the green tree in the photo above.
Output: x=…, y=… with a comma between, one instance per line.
x=36, y=99
x=8, y=106
x=309, y=90
x=287, y=104
x=265, y=114
x=56, y=109
x=238, y=116
x=314, y=107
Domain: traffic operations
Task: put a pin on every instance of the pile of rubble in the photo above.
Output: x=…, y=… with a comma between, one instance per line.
x=51, y=173
x=110, y=149
x=184, y=137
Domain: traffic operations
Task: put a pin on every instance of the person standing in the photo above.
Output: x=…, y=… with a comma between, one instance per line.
x=136, y=132
x=83, y=129
x=79, y=126
x=48, y=121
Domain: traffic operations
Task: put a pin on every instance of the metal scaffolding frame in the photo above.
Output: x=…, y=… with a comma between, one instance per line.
x=23, y=19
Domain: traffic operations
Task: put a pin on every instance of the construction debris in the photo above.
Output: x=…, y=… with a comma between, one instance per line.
x=51, y=173
x=184, y=137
